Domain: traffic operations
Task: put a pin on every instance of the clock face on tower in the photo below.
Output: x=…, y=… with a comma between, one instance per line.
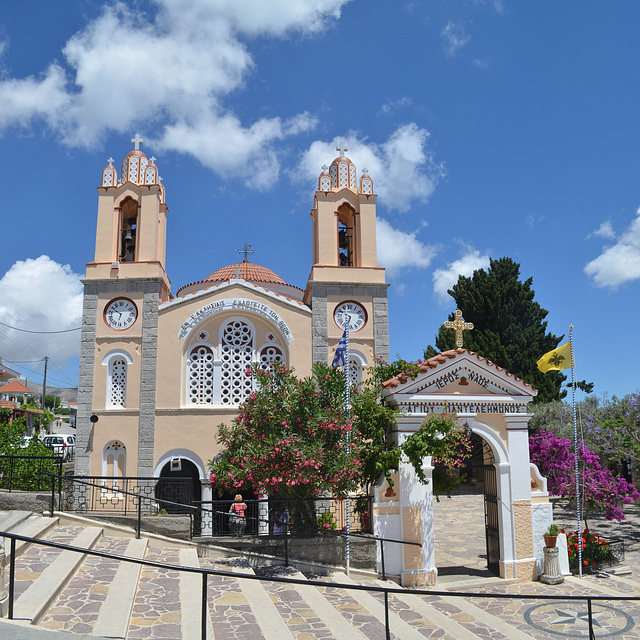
x=120, y=314
x=357, y=316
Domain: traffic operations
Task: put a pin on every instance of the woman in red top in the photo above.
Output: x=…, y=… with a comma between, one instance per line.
x=237, y=519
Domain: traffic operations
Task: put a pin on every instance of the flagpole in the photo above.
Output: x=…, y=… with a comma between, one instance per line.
x=346, y=371
x=576, y=449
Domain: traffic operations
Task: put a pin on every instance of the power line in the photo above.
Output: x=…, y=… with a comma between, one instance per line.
x=48, y=332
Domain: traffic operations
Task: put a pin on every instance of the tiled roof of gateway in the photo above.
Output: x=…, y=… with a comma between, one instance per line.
x=441, y=358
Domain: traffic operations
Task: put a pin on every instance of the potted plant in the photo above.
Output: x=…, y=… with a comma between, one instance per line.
x=551, y=536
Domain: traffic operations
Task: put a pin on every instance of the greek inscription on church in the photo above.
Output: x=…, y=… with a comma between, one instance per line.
x=444, y=380
x=463, y=407
x=474, y=376
x=235, y=304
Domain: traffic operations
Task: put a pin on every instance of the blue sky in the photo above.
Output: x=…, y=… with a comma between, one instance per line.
x=490, y=129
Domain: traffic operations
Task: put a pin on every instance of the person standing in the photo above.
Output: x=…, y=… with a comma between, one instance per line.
x=237, y=517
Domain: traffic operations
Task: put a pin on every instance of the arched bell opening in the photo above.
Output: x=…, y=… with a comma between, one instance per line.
x=347, y=254
x=128, y=230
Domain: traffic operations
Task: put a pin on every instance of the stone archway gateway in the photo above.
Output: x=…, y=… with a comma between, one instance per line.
x=492, y=403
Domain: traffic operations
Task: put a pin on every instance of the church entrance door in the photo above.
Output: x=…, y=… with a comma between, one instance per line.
x=181, y=486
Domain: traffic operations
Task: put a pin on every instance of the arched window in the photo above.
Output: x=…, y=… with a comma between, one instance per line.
x=269, y=354
x=216, y=374
x=114, y=464
x=357, y=363
x=200, y=374
x=236, y=353
x=117, y=363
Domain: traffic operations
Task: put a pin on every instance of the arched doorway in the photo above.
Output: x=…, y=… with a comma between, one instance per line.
x=466, y=530
x=179, y=484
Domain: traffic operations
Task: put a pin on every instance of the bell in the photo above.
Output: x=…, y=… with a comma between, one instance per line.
x=343, y=239
x=128, y=238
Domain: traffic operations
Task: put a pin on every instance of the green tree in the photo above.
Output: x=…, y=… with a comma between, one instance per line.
x=51, y=402
x=290, y=437
x=509, y=326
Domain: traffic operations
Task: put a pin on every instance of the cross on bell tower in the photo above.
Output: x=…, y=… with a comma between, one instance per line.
x=341, y=148
x=137, y=141
x=458, y=325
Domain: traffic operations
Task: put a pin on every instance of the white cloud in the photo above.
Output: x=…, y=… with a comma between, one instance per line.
x=40, y=295
x=402, y=168
x=399, y=249
x=619, y=263
x=605, y=230
x=455, y=37
x=444, y=279
x=170, y=70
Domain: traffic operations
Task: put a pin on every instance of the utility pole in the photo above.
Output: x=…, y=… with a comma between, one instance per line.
x=44, y=387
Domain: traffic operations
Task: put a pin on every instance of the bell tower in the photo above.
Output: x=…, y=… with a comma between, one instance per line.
x=345, y=278
x=123, y=287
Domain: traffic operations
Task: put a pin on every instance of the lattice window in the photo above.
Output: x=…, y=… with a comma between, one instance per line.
x=355, y=369
x=343, y=174
x=117, y=382
x=269, y=355
x=200, y=375
x=236, y=355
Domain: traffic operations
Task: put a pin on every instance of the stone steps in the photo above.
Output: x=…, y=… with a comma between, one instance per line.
x=72, y=593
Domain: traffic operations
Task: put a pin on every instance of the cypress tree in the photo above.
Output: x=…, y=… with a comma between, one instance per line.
x=509, y=326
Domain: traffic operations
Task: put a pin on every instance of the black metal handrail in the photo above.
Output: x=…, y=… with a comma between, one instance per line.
x=343, y=534
x=137, y=496
x=386, y=591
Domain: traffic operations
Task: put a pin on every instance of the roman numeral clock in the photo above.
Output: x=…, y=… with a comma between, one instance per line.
x=354, y=312
x=120, y=314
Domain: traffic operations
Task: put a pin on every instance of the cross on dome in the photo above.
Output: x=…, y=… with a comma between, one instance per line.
x=137, y=141
x=458, y=325
x=342, y=148
x=246, y=250
x=110, y=161
x=152, y=159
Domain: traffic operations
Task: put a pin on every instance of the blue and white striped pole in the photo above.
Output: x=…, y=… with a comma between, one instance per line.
x=346, y=371
x=576, y=449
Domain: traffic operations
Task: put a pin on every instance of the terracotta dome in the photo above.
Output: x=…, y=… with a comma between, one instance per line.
x=245, y=270
x=251, y=273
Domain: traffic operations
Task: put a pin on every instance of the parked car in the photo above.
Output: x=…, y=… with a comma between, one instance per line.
x=62, y=444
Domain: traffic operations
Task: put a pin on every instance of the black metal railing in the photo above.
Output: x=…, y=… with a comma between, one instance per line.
x=120, y=496
x=291, y=528
x=385, y=591
x=114, y=497
x=330, y=513
x=32, y=473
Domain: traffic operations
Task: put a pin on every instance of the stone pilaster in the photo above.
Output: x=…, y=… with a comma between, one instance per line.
x=148, y=369
x=85, y=378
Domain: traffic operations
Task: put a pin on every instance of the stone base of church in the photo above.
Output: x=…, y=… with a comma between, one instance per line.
x=523, y=570
x=417, y=578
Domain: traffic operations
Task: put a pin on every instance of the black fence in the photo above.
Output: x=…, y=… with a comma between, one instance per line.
x=29, y=473
x=385, y=592
x=305, y=516
x=121, y=496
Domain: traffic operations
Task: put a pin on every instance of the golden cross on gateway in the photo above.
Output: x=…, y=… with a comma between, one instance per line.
x=458, y=325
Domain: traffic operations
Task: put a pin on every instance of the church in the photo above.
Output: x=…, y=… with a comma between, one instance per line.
x=160, y=370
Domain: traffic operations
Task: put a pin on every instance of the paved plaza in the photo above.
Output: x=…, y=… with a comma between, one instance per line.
x=461, y=561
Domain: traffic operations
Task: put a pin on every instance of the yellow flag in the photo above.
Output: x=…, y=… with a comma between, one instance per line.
x=557, y=359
